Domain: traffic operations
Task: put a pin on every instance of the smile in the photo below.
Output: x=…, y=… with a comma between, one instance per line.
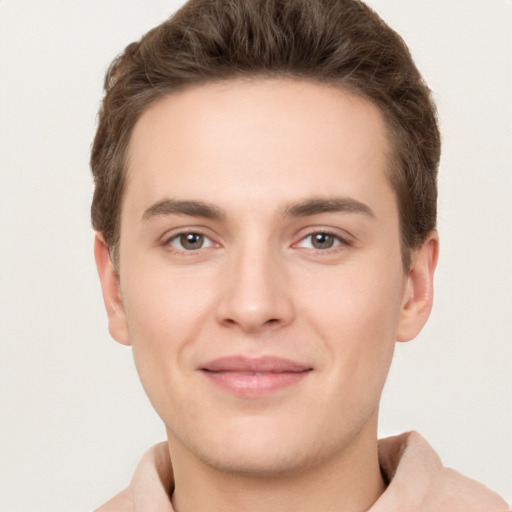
x=254, y=377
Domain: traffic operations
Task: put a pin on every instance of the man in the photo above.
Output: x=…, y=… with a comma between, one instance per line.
x=265, y=209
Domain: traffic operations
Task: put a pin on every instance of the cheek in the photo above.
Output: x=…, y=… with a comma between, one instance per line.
x=164, y=303
x=360, y=300
x=164, y=317
x=356, y=316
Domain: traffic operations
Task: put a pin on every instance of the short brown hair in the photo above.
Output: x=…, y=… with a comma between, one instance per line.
x=337, y=42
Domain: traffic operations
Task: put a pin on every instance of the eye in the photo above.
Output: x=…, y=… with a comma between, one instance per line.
x=190, y=241
x=320, y=241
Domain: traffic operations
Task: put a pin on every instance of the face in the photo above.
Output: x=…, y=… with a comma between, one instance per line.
x=261, y=283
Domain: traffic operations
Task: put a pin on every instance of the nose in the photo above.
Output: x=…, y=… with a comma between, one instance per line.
x=256, y=294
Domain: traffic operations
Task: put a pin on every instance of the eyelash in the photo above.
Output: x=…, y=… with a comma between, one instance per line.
x=337, y=242
x=167, y=242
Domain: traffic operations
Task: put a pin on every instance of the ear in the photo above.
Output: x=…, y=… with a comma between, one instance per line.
x=109, y=279
x=419, y=289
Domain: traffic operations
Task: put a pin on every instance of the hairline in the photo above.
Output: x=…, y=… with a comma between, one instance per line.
x=161, y=93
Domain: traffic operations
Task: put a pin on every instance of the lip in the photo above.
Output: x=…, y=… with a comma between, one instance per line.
x=254, y=377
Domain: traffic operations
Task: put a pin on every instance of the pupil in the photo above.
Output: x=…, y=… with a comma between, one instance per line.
x=322, y=241
x=192, y=241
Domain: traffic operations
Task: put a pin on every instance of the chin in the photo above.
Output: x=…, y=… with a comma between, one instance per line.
x=259, y=462
x=266, y=450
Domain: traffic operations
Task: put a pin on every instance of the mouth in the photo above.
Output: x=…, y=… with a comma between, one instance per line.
x=254, y=377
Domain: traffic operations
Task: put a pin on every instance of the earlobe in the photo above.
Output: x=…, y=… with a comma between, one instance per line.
x=419, y=290
x=111, y=294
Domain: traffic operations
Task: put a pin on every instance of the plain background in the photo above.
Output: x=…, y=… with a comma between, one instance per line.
x=74, y=419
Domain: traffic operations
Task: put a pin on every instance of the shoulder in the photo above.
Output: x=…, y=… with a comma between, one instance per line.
x=151, y=485
x=419, y=481
x=455, y=492
x=122, y=502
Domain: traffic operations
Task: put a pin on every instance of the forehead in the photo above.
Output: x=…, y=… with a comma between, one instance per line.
x=260, y=140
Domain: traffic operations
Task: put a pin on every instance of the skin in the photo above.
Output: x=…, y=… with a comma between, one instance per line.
x=256, y=152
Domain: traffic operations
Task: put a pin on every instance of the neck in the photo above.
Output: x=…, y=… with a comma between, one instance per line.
x=349, y=481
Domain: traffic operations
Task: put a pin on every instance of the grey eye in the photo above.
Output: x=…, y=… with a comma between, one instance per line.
x=190, y=241
x=322, y=240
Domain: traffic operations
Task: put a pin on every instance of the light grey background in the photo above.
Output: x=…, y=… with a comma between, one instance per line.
x=74, y=419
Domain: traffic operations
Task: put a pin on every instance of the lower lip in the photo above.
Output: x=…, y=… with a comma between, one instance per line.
x=254, y=384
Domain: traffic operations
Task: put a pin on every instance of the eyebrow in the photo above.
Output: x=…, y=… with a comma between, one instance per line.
x=304, y=208
x=327, y=205
x=176, y=207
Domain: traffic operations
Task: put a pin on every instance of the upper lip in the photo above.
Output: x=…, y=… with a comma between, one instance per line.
x=264, y=364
